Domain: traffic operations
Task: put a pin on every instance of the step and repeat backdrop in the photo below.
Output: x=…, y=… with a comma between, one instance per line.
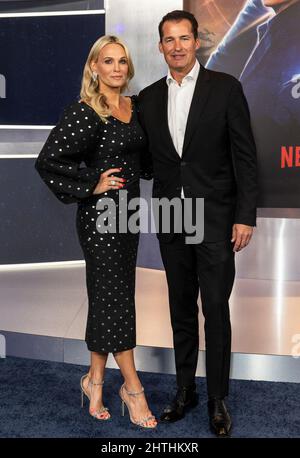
x=42, y=54
x=42, y=58
x=257, y=41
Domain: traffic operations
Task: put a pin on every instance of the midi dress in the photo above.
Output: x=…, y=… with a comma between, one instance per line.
x=79, y=148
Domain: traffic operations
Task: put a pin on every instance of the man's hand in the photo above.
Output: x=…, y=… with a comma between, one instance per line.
x=241, y=235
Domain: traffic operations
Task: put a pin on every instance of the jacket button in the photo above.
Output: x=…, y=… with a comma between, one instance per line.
x=183, y=163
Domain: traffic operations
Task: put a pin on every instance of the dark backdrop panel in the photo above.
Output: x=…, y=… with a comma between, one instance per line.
x=42, y=59
x=35, y=225
x=48, y=5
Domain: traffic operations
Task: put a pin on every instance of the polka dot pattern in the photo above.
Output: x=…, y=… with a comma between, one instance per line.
x=81, y=137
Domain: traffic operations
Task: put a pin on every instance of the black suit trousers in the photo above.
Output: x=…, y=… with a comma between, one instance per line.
x=210, y=266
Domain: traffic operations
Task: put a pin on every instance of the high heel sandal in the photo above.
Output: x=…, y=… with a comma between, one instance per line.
x=143, y=421
x=93, y=412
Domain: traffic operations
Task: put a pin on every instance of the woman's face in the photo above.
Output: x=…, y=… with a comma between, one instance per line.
x=111, y=66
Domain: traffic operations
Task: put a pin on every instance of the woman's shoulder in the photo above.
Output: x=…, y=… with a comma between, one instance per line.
x=79, y=107
x=80, y=113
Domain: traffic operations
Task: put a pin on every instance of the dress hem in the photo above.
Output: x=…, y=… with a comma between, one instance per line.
x=103, y=352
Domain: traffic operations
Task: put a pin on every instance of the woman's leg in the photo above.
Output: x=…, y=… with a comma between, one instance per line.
x=138, y=404
x=96, y=375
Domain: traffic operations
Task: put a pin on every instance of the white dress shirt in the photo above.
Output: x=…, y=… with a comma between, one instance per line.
x=179, y=102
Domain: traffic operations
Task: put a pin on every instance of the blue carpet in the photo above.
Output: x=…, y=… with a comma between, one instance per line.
x=42, y=399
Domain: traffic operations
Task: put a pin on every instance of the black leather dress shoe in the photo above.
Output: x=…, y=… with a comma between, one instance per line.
x=185, y=399
x=219, y=418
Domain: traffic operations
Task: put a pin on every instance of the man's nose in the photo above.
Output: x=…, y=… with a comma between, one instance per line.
x=178, y=45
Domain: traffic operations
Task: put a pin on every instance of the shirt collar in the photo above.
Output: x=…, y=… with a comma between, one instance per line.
x=191, y=76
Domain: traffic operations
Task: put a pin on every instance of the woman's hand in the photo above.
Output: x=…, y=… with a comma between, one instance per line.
x=108, y=181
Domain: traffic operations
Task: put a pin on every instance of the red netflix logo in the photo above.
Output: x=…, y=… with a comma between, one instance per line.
x=290, y=156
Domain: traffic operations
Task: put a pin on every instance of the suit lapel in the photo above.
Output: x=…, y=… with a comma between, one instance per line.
x=199, y=99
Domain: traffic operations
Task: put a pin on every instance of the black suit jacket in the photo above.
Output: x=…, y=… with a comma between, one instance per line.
x=218, y=160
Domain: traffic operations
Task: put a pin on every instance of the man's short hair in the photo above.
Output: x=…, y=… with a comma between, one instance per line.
x=178, y=15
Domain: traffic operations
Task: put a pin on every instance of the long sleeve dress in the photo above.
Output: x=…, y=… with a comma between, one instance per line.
x=80, y=137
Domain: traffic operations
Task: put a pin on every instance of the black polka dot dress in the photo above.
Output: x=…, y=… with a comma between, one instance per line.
x=76, y=152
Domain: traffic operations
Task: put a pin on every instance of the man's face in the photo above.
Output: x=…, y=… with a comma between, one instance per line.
x=275, y=2
x=179, y=45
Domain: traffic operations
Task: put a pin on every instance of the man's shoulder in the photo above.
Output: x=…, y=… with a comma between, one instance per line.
x=220, y=78
x=149, y=90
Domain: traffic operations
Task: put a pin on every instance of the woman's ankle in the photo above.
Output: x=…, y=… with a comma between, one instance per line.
x=96, y=376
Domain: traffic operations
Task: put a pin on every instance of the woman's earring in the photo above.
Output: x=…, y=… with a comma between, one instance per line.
x=95, y=76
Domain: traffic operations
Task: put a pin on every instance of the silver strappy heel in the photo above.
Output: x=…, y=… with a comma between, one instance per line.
x=96, y=413
x=143, y=421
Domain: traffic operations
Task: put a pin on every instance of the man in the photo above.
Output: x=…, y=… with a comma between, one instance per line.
x=200, y=140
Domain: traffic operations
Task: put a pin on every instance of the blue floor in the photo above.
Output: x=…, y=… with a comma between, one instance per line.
x=42, y=399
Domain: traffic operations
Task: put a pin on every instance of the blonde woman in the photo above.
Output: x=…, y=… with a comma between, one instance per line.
x=102, y=131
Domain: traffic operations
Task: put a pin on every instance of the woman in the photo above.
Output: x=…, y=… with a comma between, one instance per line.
x=102, y=130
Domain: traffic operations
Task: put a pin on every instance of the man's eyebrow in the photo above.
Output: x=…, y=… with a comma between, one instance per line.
x=181, y=36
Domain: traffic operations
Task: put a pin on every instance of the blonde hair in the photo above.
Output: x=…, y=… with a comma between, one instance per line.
x=89, y=92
